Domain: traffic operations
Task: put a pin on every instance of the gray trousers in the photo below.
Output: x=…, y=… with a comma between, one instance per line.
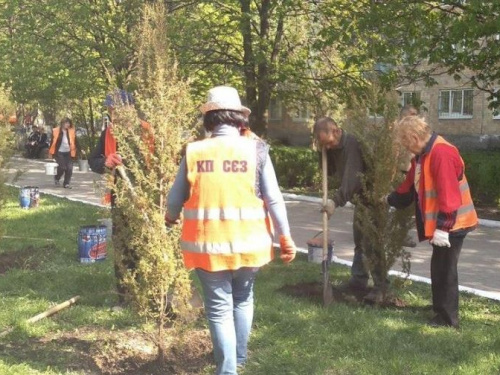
x=64, y=166
x=360, y=272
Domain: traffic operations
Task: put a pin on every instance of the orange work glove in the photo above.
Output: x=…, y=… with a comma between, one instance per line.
x=287, y=249
x=112, y=160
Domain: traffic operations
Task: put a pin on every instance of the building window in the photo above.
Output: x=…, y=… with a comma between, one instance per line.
x=300, y=115
x=275, y=112
x=411, y=98
x=455, y=103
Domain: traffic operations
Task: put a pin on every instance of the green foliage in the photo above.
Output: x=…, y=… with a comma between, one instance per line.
x=384, y=231
x=152, y=154
x=296, y=167
x=482, y=169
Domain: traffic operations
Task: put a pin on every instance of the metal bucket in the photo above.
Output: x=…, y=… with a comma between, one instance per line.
x=92, y=243
x=315, y=249
x=83, y=165
x=34, y=196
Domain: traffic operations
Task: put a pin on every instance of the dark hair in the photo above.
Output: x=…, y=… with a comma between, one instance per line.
x=324, y=124
x=223, y=116
x=66, y=119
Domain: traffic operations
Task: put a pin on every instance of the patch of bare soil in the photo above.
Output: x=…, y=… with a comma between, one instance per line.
x=94, y=351
x=313, y=291
x=27, y=258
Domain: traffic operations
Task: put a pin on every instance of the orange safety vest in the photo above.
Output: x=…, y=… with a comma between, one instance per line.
x=71, y=140
x=466, y=214
x=225, y=224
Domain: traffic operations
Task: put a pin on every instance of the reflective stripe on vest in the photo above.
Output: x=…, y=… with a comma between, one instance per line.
x=466, y=214
x=225, y=214
x=225, y=224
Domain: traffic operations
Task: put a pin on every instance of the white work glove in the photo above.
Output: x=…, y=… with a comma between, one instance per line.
x=329, y=208
x=440, y=238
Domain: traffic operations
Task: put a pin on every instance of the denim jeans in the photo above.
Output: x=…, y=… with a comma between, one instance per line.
x=229, y=309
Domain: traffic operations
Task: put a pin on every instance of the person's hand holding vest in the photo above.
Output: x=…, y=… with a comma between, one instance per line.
x=113, y=160
x=440, y=238
x=288, y=250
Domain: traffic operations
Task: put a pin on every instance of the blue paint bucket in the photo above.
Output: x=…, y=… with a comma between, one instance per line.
x=92, y=243
x=25, y=197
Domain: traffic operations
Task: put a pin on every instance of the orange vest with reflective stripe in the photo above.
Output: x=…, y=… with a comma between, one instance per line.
x=71, y=140
x=466, y=214
x=225, y=224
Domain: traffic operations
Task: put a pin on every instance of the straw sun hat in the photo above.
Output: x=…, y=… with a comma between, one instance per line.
x=224, y=97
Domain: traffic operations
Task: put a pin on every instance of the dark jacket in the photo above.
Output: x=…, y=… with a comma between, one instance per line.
x=97, y=157
x=346, y=161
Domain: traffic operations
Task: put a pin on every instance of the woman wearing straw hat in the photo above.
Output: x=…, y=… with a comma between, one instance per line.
x=227, y=186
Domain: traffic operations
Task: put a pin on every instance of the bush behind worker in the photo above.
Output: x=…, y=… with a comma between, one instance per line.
x=228, y=189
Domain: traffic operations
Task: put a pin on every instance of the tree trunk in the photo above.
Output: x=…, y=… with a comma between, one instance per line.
x=249, y=62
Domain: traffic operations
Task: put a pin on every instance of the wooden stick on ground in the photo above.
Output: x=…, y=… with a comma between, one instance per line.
x=46, y=313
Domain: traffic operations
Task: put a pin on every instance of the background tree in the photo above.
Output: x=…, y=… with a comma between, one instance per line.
x=261, y=47
x=418, y=40
x=58, y=50
x=152, y=156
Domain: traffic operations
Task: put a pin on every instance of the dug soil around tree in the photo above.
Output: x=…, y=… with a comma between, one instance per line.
x=313, y=291
x=92, y=350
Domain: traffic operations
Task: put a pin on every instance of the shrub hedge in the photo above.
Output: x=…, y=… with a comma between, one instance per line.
x=297, y=168
x=482, y=169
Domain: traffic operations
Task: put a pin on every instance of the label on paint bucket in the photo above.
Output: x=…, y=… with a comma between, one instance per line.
x=92, y=243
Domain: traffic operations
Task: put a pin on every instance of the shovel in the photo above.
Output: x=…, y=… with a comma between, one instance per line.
x=327, y=286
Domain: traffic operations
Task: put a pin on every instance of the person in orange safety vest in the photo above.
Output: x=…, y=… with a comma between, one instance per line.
x=227, y=189
x=444, y=210
x=63, y=148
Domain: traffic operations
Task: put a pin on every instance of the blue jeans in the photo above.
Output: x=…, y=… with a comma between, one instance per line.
x=229, y=309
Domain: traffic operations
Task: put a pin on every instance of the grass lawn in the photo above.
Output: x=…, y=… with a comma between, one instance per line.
x=291, y=335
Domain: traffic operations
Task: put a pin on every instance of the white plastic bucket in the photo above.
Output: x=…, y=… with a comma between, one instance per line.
x=50, y=169
x=315, y=249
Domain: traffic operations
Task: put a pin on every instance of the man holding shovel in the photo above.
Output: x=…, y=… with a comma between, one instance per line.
x=345, y=159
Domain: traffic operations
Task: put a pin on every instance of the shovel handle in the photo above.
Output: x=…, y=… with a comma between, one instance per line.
x=324, y=169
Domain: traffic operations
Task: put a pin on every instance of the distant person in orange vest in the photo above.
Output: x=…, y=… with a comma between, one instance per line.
x=444, y=211
x=226, y=185
x=63, y=148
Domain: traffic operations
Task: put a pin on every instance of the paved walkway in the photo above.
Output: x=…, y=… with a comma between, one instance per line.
x=479, y=265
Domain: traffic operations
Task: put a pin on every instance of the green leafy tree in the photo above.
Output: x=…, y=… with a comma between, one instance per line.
x=58, y=50
x=152, y=153
x=261, y=47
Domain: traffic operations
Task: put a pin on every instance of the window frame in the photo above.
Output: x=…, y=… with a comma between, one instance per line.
x=450, y=115
x=276, y=103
